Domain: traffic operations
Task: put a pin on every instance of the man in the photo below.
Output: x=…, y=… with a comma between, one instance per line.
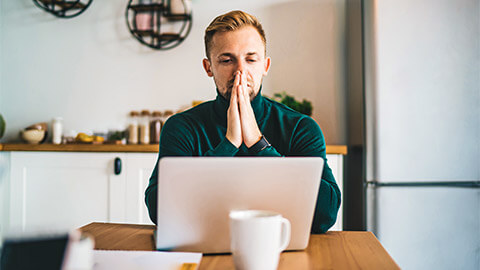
x=239, y=121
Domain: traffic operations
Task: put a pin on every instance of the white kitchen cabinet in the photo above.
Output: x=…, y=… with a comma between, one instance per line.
x=139, y=167
x=335, y=161
x=65, y=190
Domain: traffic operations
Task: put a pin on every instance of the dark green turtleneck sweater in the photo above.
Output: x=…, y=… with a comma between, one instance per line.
x=201, y=131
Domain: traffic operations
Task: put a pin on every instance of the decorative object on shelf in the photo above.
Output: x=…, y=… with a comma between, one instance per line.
x=159, y=24
x=304, y=107
x=144, y=127
x=156, y=127
x=35, y=134
x=117, y=137
x=63, y=8
x=133, y=127
x=85, y=138
x=57, y=130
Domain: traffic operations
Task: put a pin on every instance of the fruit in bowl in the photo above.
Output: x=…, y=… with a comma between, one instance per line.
x=38, y=126
x=33, y=136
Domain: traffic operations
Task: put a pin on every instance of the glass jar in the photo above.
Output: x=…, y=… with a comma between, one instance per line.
x=57, y=130
x=167, y=115
x=133, y=127
x=155, y=127
x=144, y=127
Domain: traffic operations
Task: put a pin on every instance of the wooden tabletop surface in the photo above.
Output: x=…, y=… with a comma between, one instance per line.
x=332, y=250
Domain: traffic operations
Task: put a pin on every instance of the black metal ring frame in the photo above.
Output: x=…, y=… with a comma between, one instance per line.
x=65, y=6
x=158, y=9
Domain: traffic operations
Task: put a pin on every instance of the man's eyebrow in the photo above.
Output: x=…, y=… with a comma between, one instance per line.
x=225, y=55
x=231, y=54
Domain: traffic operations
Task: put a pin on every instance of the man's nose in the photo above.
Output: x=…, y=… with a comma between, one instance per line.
x=241, y=66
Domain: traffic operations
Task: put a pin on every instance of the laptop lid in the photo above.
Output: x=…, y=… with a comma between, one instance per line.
x=196, y=194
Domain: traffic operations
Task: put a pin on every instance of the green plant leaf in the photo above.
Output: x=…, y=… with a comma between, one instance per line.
x=304, y=107
x=2, y=126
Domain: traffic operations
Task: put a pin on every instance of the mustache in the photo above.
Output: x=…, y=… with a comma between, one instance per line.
x=232, y=81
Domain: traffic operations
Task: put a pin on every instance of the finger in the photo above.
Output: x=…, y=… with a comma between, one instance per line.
x=234, y=90
x=236, y=82
x=244, y=82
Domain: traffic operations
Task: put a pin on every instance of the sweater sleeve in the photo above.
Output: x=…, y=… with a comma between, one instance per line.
x=308, y=140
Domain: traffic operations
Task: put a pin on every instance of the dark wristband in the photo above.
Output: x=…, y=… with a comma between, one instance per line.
x=260, y=145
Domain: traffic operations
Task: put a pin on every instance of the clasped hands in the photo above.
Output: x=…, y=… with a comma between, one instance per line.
x=242, y=126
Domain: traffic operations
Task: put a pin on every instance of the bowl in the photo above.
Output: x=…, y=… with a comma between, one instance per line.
x=33, y=136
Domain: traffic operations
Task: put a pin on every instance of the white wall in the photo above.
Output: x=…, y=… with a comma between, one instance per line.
x=92, y=72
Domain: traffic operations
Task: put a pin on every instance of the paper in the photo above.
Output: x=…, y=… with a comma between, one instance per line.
x=142, y=260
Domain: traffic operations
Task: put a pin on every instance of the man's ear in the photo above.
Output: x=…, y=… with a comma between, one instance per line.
x=208, y=67
x=268, y=61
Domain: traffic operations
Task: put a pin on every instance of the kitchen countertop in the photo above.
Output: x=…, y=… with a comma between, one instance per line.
x=148, y=148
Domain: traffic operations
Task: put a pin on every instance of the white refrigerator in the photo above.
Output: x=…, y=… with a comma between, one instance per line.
x=422, y=130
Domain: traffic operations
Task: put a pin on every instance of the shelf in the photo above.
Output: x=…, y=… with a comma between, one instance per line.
x=153, y=32
x=160, y=37
x=147, y=148
x=146, y=7
x=64, y=4
x=178, y=17
x=140, y=148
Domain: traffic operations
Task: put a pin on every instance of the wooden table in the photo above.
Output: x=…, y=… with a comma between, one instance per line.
x=332, y=250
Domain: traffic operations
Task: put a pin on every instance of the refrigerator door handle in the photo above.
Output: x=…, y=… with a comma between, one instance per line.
x=459, y=184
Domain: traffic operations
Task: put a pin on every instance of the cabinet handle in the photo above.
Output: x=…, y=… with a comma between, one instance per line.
x=117, y=167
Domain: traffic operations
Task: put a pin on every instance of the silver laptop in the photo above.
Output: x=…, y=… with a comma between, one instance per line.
x=196, y=194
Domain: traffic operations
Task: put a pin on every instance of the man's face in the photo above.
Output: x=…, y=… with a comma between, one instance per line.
x=238, y=50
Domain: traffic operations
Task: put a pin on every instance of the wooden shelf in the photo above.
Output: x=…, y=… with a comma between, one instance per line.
x=178, y=17
x=64, y=4
x=140, y=148
x=147, y=7
x=159, y=37
x=148, y=148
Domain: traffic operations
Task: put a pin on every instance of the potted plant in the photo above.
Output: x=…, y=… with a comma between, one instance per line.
x=304, y=106
x=2, y=126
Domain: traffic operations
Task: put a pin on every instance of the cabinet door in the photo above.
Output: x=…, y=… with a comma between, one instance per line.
x=64, y=190
x=139, y=167
x=336, y=164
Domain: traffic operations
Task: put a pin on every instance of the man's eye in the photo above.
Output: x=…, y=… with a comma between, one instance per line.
x=251, y=60
x=226, y=60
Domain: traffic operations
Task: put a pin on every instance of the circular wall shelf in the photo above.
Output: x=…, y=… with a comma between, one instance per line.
x=160, y=25
x=63, y=8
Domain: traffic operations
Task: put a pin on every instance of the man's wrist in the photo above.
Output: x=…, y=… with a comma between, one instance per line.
x=260, y=145
x=233, y=142
x=250, y=143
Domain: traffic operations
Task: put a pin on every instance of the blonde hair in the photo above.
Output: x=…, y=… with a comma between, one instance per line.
x=232, y=21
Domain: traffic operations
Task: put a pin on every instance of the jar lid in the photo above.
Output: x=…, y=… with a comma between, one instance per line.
x=145, y=112
x=157, y=113
x=168, y=113
x=134, y=113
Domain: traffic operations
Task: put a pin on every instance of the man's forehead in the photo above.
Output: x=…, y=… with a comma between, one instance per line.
x=244, y=41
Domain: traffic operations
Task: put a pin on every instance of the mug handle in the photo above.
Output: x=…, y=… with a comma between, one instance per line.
x=286, y=231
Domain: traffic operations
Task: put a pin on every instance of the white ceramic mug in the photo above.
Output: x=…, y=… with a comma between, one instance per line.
x=257, y=238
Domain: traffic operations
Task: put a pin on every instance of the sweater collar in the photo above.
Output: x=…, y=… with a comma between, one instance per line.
x=221, y=105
